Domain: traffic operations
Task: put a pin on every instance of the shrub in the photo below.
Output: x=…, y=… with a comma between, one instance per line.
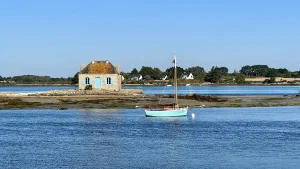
x=266, y=81
x=240, y=78
x=272, y=80
x=88, y=87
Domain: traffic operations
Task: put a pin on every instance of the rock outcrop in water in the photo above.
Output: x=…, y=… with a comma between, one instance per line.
x=197, y=97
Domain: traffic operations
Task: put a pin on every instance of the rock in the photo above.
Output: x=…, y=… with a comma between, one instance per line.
x=190, y=94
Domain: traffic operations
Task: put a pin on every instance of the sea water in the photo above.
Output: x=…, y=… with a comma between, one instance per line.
x=33, y=89
x=221, y=90
x=125, y=138
x=182, y=90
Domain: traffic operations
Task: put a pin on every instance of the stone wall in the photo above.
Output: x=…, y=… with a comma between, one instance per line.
x=116, y=86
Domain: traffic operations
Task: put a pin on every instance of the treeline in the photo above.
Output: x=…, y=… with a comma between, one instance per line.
x=265, y=71
x=33, y=79
x=214, y=75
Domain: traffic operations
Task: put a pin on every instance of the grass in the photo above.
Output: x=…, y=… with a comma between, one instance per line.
x=20, y=104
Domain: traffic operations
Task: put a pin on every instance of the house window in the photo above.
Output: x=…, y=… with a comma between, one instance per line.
x=87, y=81
x=108, y=80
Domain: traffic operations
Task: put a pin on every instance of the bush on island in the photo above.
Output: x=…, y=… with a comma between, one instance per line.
x=271, y=80
x=88, y=87
x=240, y=78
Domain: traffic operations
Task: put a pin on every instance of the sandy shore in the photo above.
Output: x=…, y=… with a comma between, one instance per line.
x=73, y=99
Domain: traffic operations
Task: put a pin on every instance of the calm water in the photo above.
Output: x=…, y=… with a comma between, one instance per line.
x=183, y=90
x=221, y=90
x=33, y=89
x=214, y=138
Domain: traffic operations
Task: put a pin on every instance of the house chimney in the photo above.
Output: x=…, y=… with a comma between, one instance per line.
x=118, y=68
x=81, y=67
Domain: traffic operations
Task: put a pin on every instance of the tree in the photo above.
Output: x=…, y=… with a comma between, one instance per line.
x=287, y=75
x=282, y=71
x=260, y=70
x=33, y=79
x=223, y=70
x=214, y=75
x=170, y=72
x=145, y=70
x=255, y=70
x=294, y=74
x=235, y=72
x=1, y=78
x=157, y=74
x=272, y=73
x=297, y=74
x=75, y=78
x=134, y=71
x=147, y=77
x=240, y=78
x=246, y=70
x=198, y=72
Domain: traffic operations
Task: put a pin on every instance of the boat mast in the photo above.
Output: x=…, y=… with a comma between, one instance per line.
x=175, y=80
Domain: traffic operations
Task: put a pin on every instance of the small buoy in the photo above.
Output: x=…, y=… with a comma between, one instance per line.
x=193, y=115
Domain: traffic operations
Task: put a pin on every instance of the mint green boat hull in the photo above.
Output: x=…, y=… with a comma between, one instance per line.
x=167, y=113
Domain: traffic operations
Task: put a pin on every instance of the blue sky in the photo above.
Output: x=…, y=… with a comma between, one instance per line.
x=55, y=37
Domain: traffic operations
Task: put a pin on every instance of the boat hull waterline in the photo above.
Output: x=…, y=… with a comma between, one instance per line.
x=167, y=113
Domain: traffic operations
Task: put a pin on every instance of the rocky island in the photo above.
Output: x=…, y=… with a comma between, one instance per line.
x=131, y=98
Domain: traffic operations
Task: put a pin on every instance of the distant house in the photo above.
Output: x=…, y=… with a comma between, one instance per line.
x=100, y=75
x=188, y=76
x=135, y=77
x=165, y=77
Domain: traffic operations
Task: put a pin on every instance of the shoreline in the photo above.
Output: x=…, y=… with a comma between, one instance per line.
x=191, y=84
x=130, y=99
x=165, y=84
x=38, y=85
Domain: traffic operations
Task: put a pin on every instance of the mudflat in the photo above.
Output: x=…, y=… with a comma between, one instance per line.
x=74, y=99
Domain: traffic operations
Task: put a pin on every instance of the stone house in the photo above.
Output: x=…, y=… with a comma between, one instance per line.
x=100, y=75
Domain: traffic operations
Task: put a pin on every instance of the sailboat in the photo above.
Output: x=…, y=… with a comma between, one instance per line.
x=174, y=110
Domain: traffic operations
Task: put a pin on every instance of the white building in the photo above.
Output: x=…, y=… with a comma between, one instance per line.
x=188, y=76
x=165, y=78
x=135, y=77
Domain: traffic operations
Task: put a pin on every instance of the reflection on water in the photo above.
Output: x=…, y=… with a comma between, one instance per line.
x=96, y=138
x=94, y=113
x=167, y=119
